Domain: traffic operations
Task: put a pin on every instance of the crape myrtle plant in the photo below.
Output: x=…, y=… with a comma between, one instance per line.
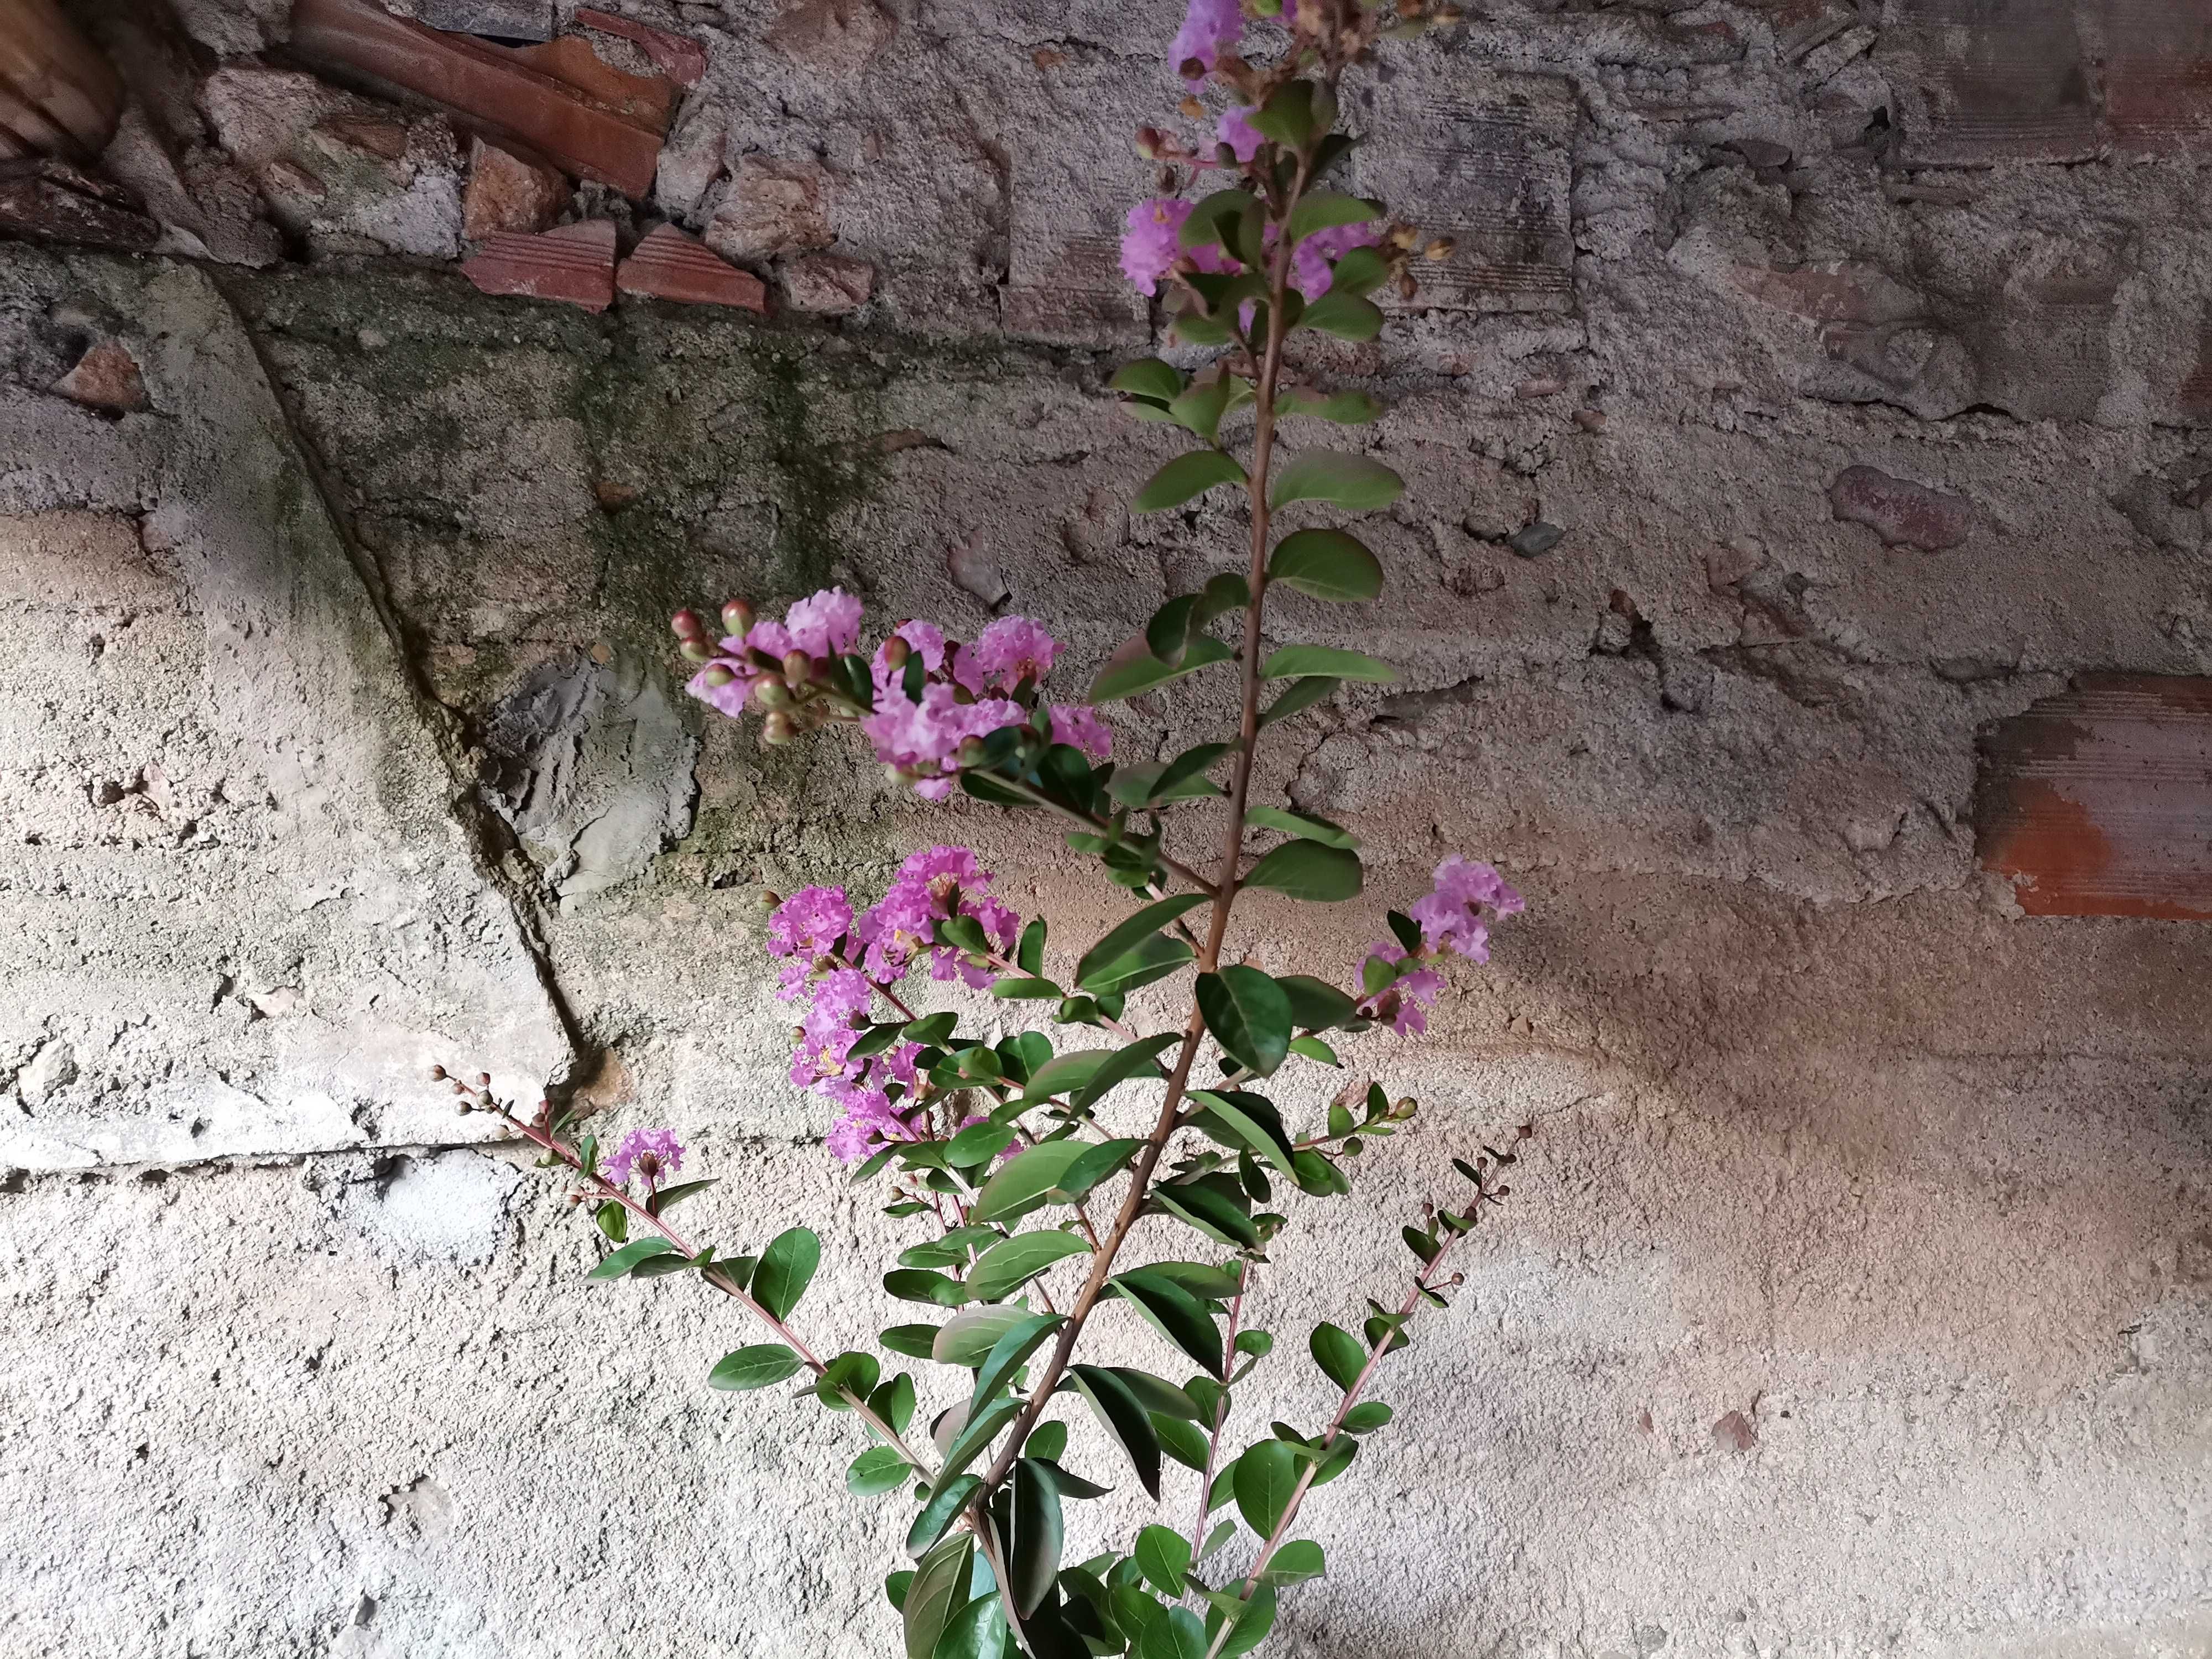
x=1040, y=1192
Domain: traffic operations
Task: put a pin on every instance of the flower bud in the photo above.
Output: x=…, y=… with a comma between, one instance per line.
x=895, y=652
x=1148, y=142
x=970, y=752
x=695, y=650
x=717, y=676
x=737, y=617
x=460, y=1087
x=776, y=729
x=1191, y=108
x=1406, y=1108
x=798, y=667
x=896, y=775
x=437, y=1074
x=771, y=695
x=463, y=1107
x=770, y=899
x=686, y=624
x=1441, y=248
x=1225, y=156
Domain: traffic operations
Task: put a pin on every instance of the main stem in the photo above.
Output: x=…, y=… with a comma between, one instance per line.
x=1224, y=883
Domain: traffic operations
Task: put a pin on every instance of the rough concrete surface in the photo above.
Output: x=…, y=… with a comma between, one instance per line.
x=1818, y=407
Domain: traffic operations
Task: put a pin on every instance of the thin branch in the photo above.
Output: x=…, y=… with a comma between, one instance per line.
x=1220, y=1417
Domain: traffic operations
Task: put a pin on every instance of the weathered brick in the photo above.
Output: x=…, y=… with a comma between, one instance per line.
x=1991, y=80
x=1901, y=513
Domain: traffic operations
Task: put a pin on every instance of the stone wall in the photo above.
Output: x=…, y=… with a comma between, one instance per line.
x=1836, y=393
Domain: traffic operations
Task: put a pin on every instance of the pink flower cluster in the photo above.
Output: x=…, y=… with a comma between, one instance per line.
x=1404, y=1005
x=1150, y=244
x=1209, y=29
x=654, y=1154
x=1450, y=918
x=845, y=970
x=965, y=690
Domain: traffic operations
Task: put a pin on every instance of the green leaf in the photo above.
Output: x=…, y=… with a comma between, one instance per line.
x=853, y=1373
x=1098, y=1162
x=785, y=1269
x=931, y=1027
x=977, y=1630
x=1175, y=1313
x=1138, y=1059
x=1022, y=1181
x=1266, y=1476
x=1200, y=409
x=1361, y=270
x=1123, y=1417
x=1128, y=935
x=1287, y=116
x=979, y=1431
x=1014, y=988
x=1047, y=1441
x=1314, y=1048
x=625, y=1259
x=1133, y=670
x=1190, y=476
x=968, y=1337
x=879, y=1468
x=1338, y=1354
x=914, y=1342
x=1252, y=1624
x=1344, y=408
x=1175, y=1634
x=894, y=1402
x=1249, y=1122
x=1212, y=1212
x=1214, y=1540
x=669, y=1197
x=940, y=1585
x=1327, y=564
x=1184, y=1442
x=1156, y=1394
x=896, y=1586
x=1155, y=958
x=977, y=1143
x=1064, y=1072
x=1300, y=661
x=1037, y=1533
x=1163, y=1556
x=1353, y=481
x=1325, y=210
x=755, y=1367
x=1205, y=225
x=1367, y=1416
x=1307, y=870
x=1029, y=954
x=918, y=1285
x=1008, y=1354
x=1302, y=696
x=1303, y=825
x=1296, y=1561
x=1249, y=1016
x=1346, y=315
x=1148, y=377
x=1009, y=1265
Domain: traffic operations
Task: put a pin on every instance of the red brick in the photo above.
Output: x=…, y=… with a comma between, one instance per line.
x=2097, y=802
x=1901, y=513
x=107, y=377
x=575, y=264
x=681, y=59
x=669, y=265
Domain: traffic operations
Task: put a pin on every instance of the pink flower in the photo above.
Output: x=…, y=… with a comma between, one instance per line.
x=1149, y=249
x=831, y=1027
x=927, y=642
x=1402, y=1005
x=1450, y=915
x=868, y=1121
x=939, y=870
x=653, y=1153
x=1310, y=260
x=1237, y=131
x=826, y=625
x=809, y=922
x=1209, y=28
x=1010, y=650
x=923, y=736
x=1081, y=726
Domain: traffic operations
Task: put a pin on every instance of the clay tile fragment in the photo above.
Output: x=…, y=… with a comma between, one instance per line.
x=669, y=265
x=57, y=94
x=648, y=99
x=508, y=189
x=1901, y=513
x=50, y=201
x=575, y=264
x=107, y=377
x=683, y=60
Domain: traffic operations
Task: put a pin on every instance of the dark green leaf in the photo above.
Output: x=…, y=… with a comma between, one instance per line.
x=939, y=1584
x=1132, y=669
x=1302, y=696
x=1016, y=988
x=1339, y=1460
x=1184, y=1442
x=1029, y=954
x=614, y=1221
x=1317, y=1176
x=1047, y=1441
x=1008, y=1354
x=1346, y=315
x=1367, y=1416
x=1338, y=1354
x=1252, y=1624
x=1098, y=1162
x=1212, y=1212
x=1247, y=1120
x=1175, y=1313
x=755, y=1367
x=879, y=1468
x=913, y=1341
x=1190, y=476
x=1201, y=1278
x=978, y=1143
x=1344, y=408
x=855, y=1374
x=1148, y=377
x=1072, y=1485
x=1325, y=210
x=618, y=1262
x=896, y=1586
x=1220, y=1535
x=894, y=1402
x=1307, y=870
x=968, y=1338
x=1154, y=958
x=1247, y=1014
x=1199, y=409
x=1163, y=1556
x=931, y=1028
x=1007, y=1266
x=1121, y=1416
x=1127, y=935
x=1316, y=1005
x=1327, y=564
x=1037, y=1533
x=1286, y=117
x=1266, y=1476
x=977, y=1630
x=1138, y=1059
x=917, y=1285
x=1361, y=270
x=1296, y=1561
x=1156, y=1394
x=785, y=1269
x=976, y=1434
x=669, y=1197
x=1301, y=661
x=1205, y=225
x=1175, y=1634
x=1354, y=482
x=1022, y=1183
